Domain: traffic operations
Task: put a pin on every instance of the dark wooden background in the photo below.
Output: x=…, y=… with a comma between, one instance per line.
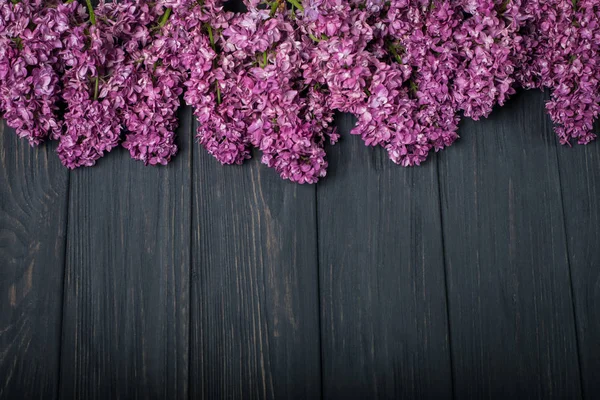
x=474, y=276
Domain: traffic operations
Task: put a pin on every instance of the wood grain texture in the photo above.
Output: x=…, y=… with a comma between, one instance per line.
x=33, y=204
x=255, y=316
x=126, y=309
x=580, y=182
x=383, y=302
x=512, y=324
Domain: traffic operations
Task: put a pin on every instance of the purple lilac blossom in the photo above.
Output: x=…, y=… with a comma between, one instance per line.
x=154, y=83
x=488, y=44
x=562, y=41
x=31, y=35
x=288, y=124
x=90, y=56
x=247, y=89
x=215, y=87
x=272, y=77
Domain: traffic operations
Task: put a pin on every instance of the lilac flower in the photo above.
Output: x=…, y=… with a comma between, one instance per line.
x=272, y=77
x=247, y=89
x=92, y=129
x=488, y=44
x=336, y=55
x=563, y=50
x=155, y=82
x=30, y=41
x=91, y=123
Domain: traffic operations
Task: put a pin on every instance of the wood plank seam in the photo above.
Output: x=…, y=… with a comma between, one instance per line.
x=192, y=271
x=569, y=264
x=449, y=322
x=64, y=278
x=318, y=264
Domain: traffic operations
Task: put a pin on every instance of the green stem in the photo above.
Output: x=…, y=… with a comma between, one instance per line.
x=501, y=9
x=265, y=60
x=210, y=36
x=392, y=49
x=90, y=8
x=212, y=44
x=274, y=7
x=18, y=42
x=297, y=4
x=164, y=18
x=96, y=89
x=413, y=87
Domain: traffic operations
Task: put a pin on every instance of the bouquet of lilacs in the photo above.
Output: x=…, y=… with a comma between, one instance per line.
x=408, y=68
x=247, y=89
x=562, y=53
x=121, y=84
x=271, y=77
x=31, y=41
x=154, y=83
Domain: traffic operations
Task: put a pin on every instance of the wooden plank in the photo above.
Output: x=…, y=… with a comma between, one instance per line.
x=383, y=302
x=33, y=204
x=255, y=316
x=511, y=313
x=580, y=182
x=125, y=331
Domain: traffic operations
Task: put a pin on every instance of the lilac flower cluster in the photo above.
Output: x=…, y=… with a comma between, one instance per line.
x=271, y=77
x=247, y=89
x=121, y=73
x=562, y=49
x=110, y=65
x=91, y=126
x=31, y=39
x=155, y=83
x=409, y=68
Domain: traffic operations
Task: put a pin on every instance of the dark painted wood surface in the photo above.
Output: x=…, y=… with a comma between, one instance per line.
x=33, y=222
x=383, y=298
x=509, y=290
x=255, y=313
x=580, y=185
x=475, y=275
x=127, y=274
